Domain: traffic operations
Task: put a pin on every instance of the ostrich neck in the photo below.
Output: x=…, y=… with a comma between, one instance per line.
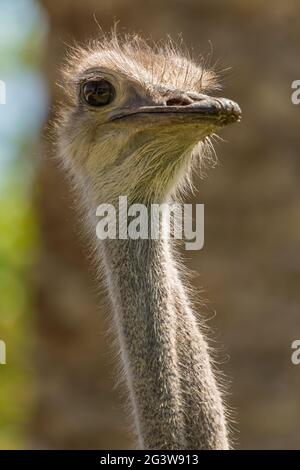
x=175, y=400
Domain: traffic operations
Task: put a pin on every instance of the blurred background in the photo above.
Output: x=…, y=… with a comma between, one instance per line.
x=57, y=389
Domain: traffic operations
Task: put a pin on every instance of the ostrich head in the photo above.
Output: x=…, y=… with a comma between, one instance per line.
x=137, y=117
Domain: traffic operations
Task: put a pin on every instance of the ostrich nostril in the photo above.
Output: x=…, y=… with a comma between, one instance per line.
x=178, y=101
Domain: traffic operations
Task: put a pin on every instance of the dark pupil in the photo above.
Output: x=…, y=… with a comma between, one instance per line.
x=98, y=93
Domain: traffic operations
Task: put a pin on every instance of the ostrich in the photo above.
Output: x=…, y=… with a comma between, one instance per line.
x=136, y=118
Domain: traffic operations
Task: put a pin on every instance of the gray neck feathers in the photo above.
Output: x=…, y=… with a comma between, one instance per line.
x=175, y=400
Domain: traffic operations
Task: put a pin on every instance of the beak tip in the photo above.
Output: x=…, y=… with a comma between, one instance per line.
x=230, y=112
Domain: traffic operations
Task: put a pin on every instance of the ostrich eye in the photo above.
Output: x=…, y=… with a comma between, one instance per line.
x=98, y=92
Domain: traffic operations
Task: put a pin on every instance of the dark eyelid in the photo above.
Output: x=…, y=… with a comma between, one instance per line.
x=82, y=80
x=94, y=75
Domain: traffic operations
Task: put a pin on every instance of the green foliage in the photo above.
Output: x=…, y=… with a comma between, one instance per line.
x=18, y=241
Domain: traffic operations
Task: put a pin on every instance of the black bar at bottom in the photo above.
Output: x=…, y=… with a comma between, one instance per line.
x=136, y=459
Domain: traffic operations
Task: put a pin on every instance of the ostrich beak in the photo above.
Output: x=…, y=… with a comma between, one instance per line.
x=206, y=111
